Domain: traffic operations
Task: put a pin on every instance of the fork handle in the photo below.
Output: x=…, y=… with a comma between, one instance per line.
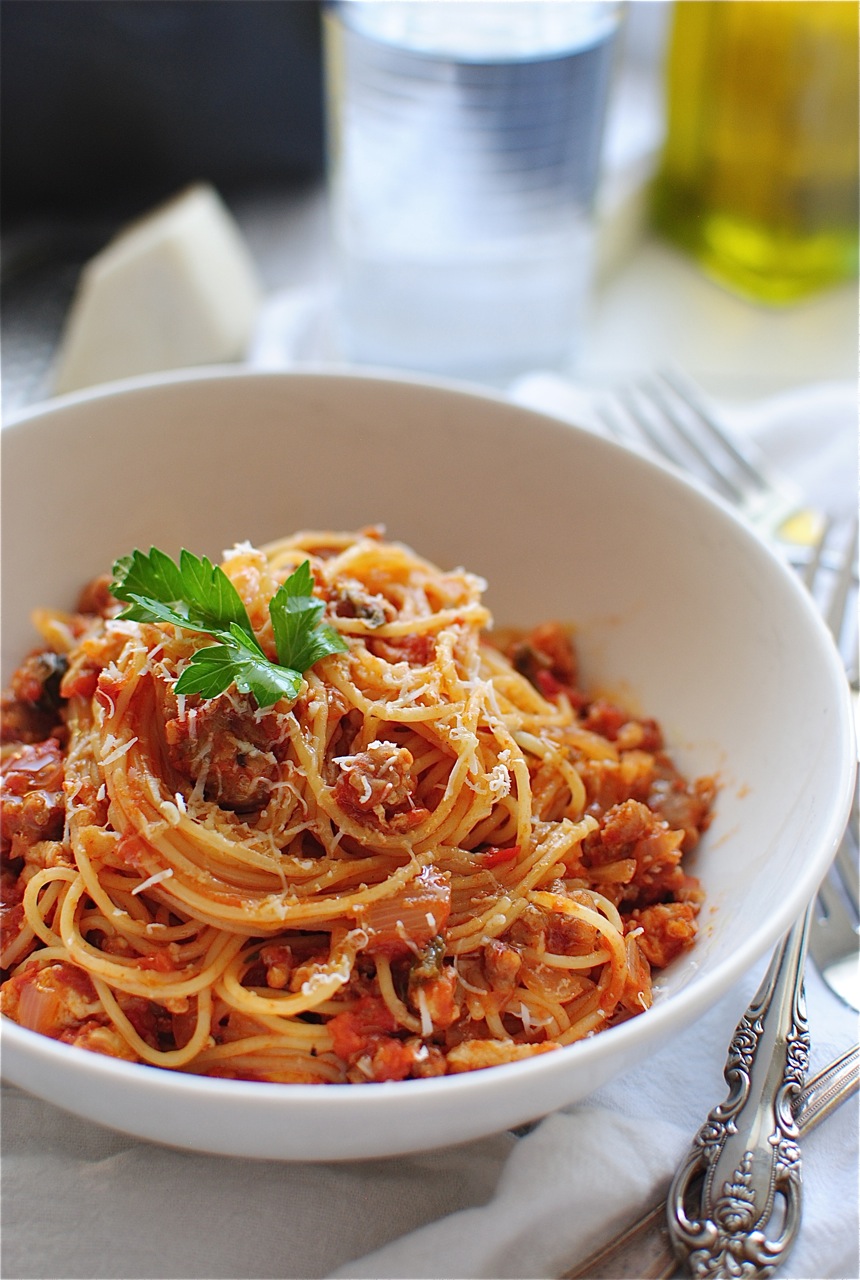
x=643, y=1250
x=747, y=1150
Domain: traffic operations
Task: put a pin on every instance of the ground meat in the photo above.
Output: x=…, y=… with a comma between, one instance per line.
x=631, y=830
x=623, y=824
x=529, y=928
x=32, y=807
x=235, y=752
x=502, y=965
x=417, y=650
x=96, y=597
x=37, y=680
x=569, y=936
x=547, y=659
x=31, y=705
x=668, y=928
x=427, y=1059
x=50, y=998
x=609, y=782
x=616, y=724
x=12, y=926
x=376, y=786
x=350, y=599
x=686, y=806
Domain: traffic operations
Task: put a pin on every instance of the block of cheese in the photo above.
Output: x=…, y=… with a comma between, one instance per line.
x=177, y=287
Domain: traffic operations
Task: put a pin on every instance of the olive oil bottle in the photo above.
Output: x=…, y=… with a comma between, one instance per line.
x=759, y=177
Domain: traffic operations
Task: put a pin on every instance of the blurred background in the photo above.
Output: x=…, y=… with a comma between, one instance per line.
x=111, y=106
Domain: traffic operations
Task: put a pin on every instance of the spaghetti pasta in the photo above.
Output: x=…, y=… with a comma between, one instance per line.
x=441, y=855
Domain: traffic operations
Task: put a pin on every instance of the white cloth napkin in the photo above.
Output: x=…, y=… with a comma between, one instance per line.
x=80, y=1201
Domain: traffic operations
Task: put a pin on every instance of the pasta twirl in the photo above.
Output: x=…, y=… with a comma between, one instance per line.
x=442, y=855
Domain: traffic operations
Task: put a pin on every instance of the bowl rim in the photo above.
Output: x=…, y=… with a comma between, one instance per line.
x=211, y=373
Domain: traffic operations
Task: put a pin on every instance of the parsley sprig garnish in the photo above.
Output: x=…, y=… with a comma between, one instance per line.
x=198, y=596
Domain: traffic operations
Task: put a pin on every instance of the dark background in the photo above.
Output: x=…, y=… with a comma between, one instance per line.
x=111, y=105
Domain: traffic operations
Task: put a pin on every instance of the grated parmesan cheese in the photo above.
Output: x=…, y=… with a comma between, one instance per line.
x=239, y=549
x=153, y=879
x=118, y=752
x=426, y=1020
x=499, y=781
x=468, y=986
x=183, y=280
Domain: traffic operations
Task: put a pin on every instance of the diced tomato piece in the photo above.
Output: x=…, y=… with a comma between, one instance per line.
x=391, y=1060
x=494, y=857
x=354, y=1031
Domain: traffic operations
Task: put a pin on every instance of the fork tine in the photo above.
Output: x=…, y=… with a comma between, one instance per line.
x=744, y=454
x=610, y=420
x=646, y=426
x=693, y=405
x=635, y=411
x=666, y=413
x=847, y=869
x=618, y=427
x=810, y=571
x=833, y=937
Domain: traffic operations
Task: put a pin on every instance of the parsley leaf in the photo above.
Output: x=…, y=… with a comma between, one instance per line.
x=215, y=667
x=300, y=638
x=201, y=595
x=198, y=596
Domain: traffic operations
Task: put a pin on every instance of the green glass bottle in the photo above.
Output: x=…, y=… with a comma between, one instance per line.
x=759, y=177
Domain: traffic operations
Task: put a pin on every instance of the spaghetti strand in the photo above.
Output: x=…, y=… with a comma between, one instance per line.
x=442, y=854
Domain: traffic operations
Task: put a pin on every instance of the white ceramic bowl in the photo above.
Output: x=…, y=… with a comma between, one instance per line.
x=676, y=602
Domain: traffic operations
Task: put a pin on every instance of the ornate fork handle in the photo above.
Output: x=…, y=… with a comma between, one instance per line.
x=746, y=1153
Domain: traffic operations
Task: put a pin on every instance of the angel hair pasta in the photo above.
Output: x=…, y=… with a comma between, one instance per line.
x=295, y=818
